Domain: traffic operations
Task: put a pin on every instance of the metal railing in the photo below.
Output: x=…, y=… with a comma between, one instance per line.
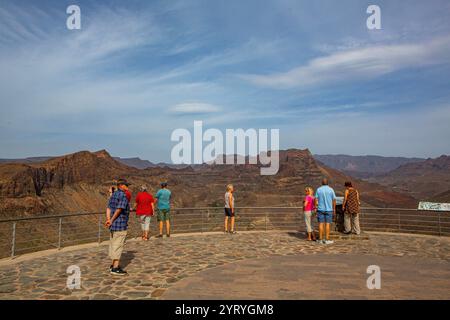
x=31, y=234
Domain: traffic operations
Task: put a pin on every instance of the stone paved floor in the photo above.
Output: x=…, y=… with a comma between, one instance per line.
x=318, y=276
x=251, y=265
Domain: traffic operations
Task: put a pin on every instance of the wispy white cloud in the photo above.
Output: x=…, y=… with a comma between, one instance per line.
x=18, y=25
x=194, y=108
x=382, y=134
x=361, y=63
x=232, y=56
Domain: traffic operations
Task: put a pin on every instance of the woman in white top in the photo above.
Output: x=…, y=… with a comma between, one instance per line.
x=229, y=208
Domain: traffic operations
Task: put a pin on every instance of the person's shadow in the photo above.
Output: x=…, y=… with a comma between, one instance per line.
x=127, y=258
x=298, y=235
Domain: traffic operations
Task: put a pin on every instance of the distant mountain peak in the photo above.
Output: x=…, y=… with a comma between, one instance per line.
x=136, y=162
x=102, y=153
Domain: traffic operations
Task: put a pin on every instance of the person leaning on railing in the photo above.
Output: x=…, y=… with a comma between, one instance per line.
x=351, y=206
x=117, y=222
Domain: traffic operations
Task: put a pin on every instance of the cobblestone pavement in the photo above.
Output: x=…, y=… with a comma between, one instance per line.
x=270, y=265
x=318, y=276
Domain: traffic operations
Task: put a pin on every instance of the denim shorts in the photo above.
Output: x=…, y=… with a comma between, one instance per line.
x=324, y=216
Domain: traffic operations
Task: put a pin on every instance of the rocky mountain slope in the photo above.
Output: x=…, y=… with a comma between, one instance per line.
x=79, y=182
x=423, y=180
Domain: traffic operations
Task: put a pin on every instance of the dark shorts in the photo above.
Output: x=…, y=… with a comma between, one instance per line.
x=163, y=215
x=229, y=212
x=325, y=217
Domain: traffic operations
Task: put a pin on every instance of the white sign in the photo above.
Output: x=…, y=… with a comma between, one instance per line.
x=434, y=206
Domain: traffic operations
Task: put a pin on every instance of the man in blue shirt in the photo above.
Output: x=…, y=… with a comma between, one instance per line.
x=117, y=222
x=163, y=205
x=326, y=208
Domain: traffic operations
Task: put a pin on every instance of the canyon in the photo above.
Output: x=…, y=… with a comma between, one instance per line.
x=79, y=182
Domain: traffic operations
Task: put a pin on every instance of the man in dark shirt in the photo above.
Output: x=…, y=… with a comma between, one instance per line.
x=119, y=213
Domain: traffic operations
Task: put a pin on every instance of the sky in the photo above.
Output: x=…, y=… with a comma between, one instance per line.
x=138, y=70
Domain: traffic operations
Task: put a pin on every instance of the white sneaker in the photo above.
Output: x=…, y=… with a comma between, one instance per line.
x=329, y=241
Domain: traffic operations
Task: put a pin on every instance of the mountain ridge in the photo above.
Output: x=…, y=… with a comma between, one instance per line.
x=364, y=166
x=79, y=182
x=423, y=180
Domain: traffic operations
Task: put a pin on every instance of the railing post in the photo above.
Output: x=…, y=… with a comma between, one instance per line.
x=59, y=233
x=203, y=220
x=172, y=222
x=99, y=233
x=439, y=223
x=13, y=240
x=265, y=220
x=399, y=222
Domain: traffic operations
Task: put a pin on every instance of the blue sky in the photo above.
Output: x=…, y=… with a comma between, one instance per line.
x=137, y=70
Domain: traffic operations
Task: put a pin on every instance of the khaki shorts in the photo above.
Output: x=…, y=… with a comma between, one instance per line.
x=116, y=244
x=145, y=222
x=308, y=223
